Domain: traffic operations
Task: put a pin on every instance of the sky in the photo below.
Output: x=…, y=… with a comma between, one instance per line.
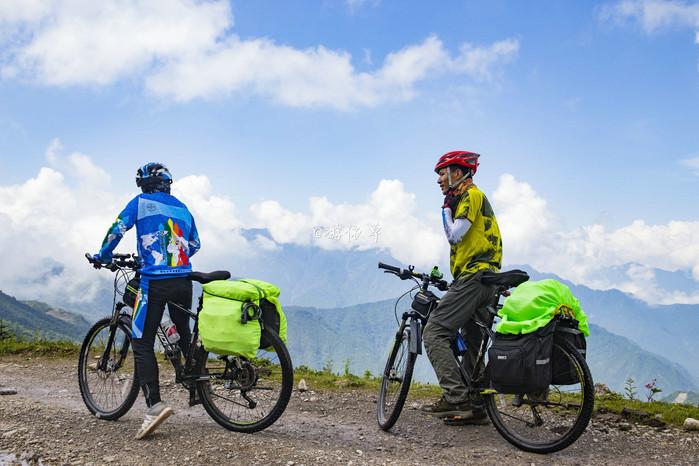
x=314, y=118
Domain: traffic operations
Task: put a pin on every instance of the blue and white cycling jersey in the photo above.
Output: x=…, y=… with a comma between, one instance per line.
x=167, y=235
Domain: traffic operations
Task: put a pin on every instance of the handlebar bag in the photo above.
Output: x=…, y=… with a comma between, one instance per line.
x=229, y=322
x=521, y=363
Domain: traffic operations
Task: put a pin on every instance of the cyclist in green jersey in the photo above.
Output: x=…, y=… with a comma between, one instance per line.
x=472, y=231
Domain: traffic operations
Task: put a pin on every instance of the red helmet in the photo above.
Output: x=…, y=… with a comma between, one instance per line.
x=460, y=158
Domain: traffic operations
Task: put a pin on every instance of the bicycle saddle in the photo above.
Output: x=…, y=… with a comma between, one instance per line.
x=202, y=277
x=508, y=279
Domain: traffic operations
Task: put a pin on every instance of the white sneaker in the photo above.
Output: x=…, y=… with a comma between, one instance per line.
x=155, y=415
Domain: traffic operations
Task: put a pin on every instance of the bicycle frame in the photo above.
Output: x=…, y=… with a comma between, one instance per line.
x=415, y=322
x=183, y=373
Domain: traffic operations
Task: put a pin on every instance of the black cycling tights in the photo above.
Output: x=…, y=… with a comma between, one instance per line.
x=179, y=291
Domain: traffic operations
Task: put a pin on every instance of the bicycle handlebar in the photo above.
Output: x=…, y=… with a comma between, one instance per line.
x=390, y=268
x=408, y=273
x=119, y=261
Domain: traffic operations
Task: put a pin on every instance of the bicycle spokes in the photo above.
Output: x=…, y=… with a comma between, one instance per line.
x=107, y=370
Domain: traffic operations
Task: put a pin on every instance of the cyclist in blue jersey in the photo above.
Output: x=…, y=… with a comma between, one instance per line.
x=167, y=238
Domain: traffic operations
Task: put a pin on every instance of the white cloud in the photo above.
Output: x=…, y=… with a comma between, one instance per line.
x=522, y=215
x=216, y=219
x=86, y=42
x=481, y=62
x=692, y=164
x=356, y=5
x=50, y=220
x=388, y=220
x=530, y=237
x=183, y=49
x=319, y=76
x=24, y=11
x=653, y=15
x=642, y=283
x=49, y=224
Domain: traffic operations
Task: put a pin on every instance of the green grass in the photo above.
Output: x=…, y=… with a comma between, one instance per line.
x=327, y=380
x=672, y=413
x=37, y=345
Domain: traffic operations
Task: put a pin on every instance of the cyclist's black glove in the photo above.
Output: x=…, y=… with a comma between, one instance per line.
x=450, y=201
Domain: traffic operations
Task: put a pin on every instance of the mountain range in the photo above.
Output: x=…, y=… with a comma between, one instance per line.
x=362, y=335
x=322, y=291
x=30, y=318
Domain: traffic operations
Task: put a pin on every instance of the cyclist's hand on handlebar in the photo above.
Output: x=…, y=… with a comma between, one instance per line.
x=93, y=259
x=96, y=261
x=442, y=285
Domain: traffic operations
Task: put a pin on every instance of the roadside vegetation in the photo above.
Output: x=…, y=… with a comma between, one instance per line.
x=634, y=409
x=643, y=411
x=10, y=343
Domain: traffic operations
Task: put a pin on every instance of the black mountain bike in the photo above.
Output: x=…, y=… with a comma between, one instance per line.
x=242, y=395
x=542, y=422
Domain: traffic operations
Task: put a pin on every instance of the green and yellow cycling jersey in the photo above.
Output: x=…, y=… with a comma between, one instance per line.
x=481, y=246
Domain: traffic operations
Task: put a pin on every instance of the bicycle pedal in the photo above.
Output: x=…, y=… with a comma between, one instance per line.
x=465, y=420
x=193, y=398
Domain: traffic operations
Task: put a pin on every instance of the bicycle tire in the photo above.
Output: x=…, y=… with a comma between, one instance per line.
x=584, y=413
x=387, y=420
x=84, y=369
x=286, y=386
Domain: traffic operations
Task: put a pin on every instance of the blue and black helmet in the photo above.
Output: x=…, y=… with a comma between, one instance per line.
x=153, y=177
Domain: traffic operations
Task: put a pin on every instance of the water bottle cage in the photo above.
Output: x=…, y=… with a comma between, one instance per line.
x=246, y=314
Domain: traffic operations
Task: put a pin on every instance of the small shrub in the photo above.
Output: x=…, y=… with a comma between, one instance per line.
x=630, y=388
x=653, y=390
x=5, y=331
x=328, y=367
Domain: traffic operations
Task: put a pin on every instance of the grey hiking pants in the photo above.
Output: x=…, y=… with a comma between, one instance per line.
x=466, y=298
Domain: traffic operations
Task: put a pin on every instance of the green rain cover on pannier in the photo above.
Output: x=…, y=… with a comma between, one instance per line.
x=220, y=321
x=533, y=304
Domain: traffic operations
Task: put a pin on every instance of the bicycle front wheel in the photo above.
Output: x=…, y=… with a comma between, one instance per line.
x=395, y=382
x=107, y=370
x=248, y=395
x=549, y=420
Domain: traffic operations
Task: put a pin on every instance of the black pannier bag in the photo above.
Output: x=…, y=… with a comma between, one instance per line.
x=521, y=363
x=270, y=319
x=131, y=290
x=564, y=372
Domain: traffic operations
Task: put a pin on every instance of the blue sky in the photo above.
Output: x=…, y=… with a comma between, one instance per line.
x=592, y=105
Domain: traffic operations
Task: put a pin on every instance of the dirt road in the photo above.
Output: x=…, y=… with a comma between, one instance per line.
x=47, y=422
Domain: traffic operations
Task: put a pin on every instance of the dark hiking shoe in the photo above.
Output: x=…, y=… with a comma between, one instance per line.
x=476, y=417
x=442, y=408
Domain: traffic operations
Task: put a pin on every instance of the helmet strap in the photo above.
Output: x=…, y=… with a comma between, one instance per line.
x=460, y=180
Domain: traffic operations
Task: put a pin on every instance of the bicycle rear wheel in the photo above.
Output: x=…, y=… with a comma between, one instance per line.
x=549, y=420
x=395, y=382
x=248, y=395
x=107, y=372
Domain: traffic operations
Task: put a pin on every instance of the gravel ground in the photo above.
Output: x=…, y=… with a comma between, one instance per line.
x=47, y=423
